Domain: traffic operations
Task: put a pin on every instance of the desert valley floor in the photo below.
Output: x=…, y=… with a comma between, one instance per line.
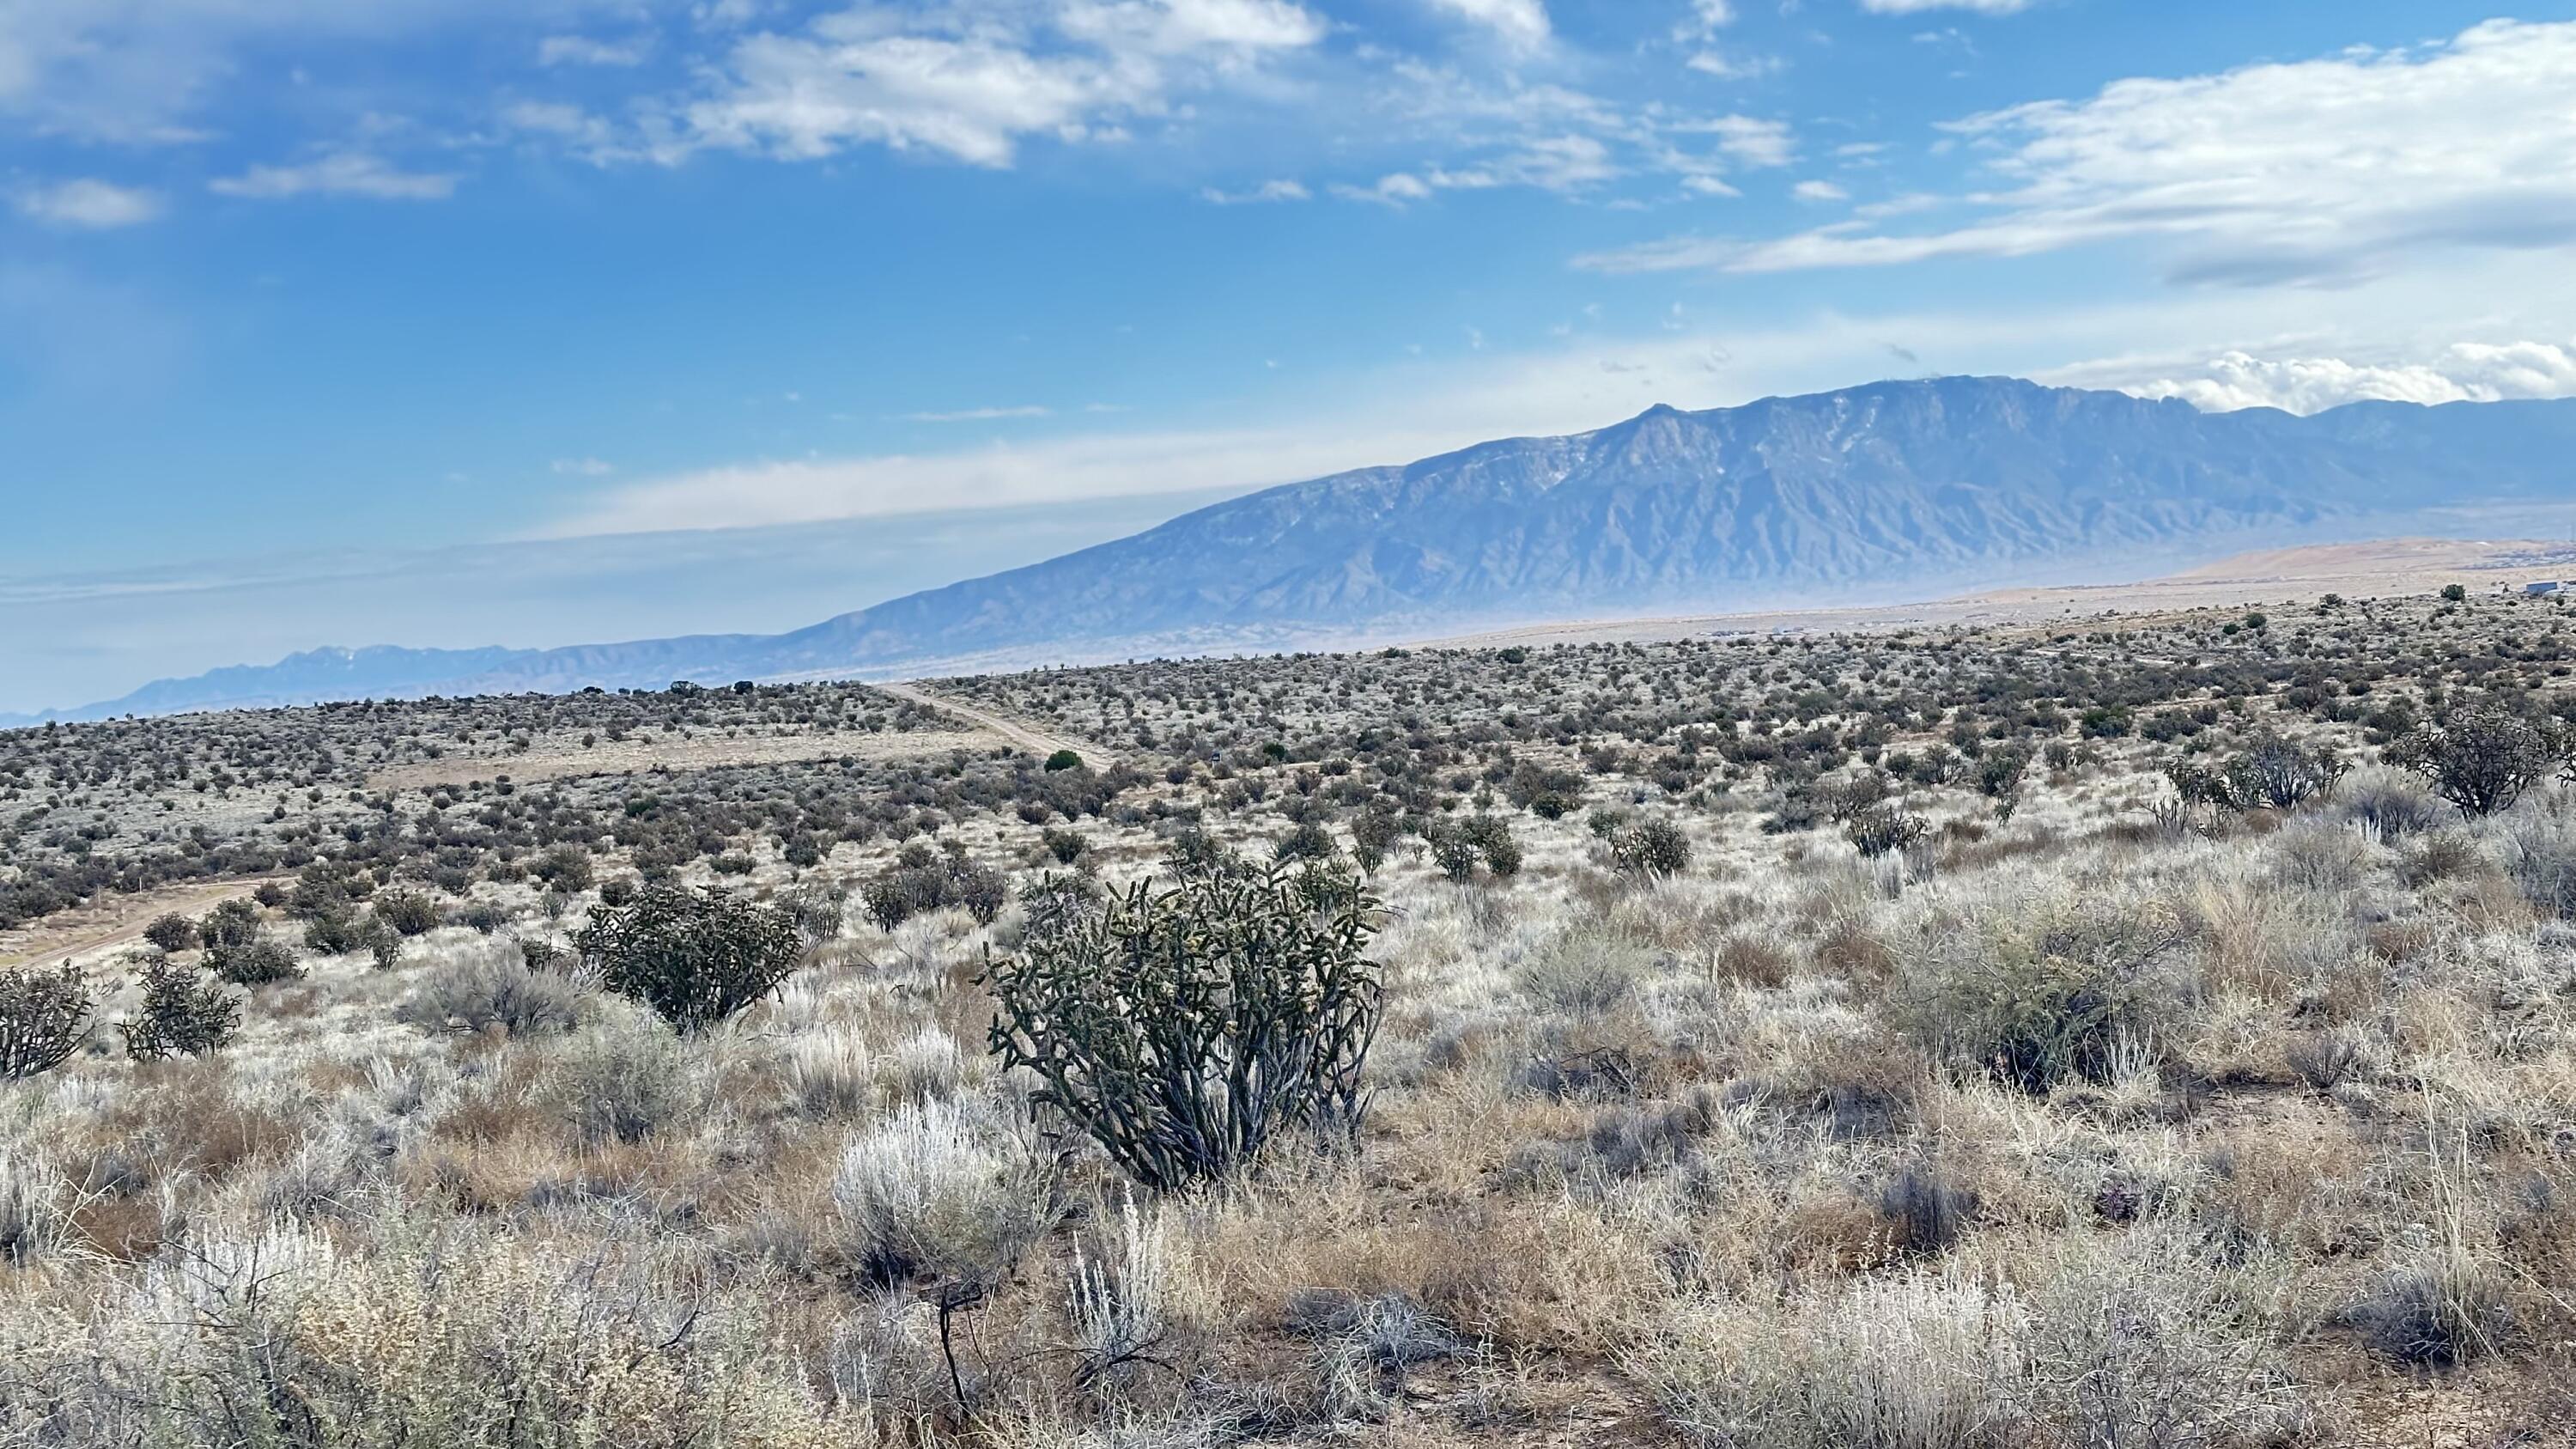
x=2148, y=1026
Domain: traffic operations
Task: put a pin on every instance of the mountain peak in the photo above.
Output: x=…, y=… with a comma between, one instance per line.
x=1884, y=491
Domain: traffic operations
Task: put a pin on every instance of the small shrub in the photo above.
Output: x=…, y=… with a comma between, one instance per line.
x=172, y=933
x=1925, y=1211
x=1455, y=853
x=1185, y=1025
x=230, y=923
x=2483, y=757
x=2392, y=802
x=1492, y=837
x=565, y=868
x=1063, y=760
x=623, y=1083
x=1309, y=840
x=1067, y=846
x=1651, y=847
x=488, y=989
x=406, y=913
x=920, y=884
x=942, y=1190
x=44, y=1018
x=2037, y=993
x=1373, y=834
x=1999, y=776
x=2438, y=1316
x=1882, y=830
x=183, y=1014
x=695, y=959
x=255, y=961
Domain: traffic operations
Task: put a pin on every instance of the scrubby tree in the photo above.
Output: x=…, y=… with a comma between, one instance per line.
x=695, y=958
x=2484, y=757
x=172, y=933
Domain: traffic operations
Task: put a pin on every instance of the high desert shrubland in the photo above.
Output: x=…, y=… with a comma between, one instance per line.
x=2126, y=1034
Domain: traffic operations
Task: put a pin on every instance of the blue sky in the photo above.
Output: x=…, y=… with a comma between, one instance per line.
x=349, y=323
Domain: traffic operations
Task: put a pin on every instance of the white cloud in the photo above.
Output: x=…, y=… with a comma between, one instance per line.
x=1819, y=191
x=1917, y=7
x=583, y=468
x=342, y=173
x=2320, y=170
x=890, y=485
x=1275, y=190
x=147, y=71
x=1446, y=398
x=1707, y=17
x=1749, y=140
x=981, y=415
x=1392, y=189
x=2461, y=372
x=585, y=50
x=974, y=89
x=1521, y=24
x=1726, y=66
x=89, y=204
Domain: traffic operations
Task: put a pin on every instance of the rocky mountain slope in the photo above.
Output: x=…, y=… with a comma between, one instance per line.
x=1942, y=482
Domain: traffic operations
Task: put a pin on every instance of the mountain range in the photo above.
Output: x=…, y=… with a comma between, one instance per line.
x=1865, y=492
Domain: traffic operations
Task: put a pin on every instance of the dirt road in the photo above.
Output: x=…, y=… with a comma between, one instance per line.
x=1033, y=740
x=110, y=922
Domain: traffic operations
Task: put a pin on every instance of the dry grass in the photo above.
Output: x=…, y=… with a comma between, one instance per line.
x=2076, y=1129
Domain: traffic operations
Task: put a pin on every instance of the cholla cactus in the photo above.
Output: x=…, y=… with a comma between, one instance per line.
x=44, y=1018
x=1185, y=1025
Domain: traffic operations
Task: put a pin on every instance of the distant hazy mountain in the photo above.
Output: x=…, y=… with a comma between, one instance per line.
x=1862, y=491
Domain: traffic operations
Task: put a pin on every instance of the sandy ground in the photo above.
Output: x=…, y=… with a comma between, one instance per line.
x=702, y=752
x=110, y=923
x=2375, y=569
x=1018, y=732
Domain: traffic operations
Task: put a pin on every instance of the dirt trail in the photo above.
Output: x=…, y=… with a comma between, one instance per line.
x=112, y=921
x=1033, y=740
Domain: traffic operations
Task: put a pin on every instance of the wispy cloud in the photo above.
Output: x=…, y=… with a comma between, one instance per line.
x=1275, y=190
x=89, y=205
x=588, y=50
x=341, y=173
x=981, y=415
x=583, y=467
x=2307, y=171
x=1917, y=7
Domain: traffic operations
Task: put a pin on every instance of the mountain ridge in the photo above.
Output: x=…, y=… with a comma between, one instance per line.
x=1872, y=487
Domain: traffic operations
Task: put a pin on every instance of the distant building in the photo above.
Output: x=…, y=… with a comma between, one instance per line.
x=2549, y=587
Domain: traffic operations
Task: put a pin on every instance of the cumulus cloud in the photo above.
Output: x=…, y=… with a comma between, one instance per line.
x=1706, y=18
x=341, y=173
x=88, y=204
x=1521, y=24
x=972, y=88
x=2462, y=372
x=2308, y=171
